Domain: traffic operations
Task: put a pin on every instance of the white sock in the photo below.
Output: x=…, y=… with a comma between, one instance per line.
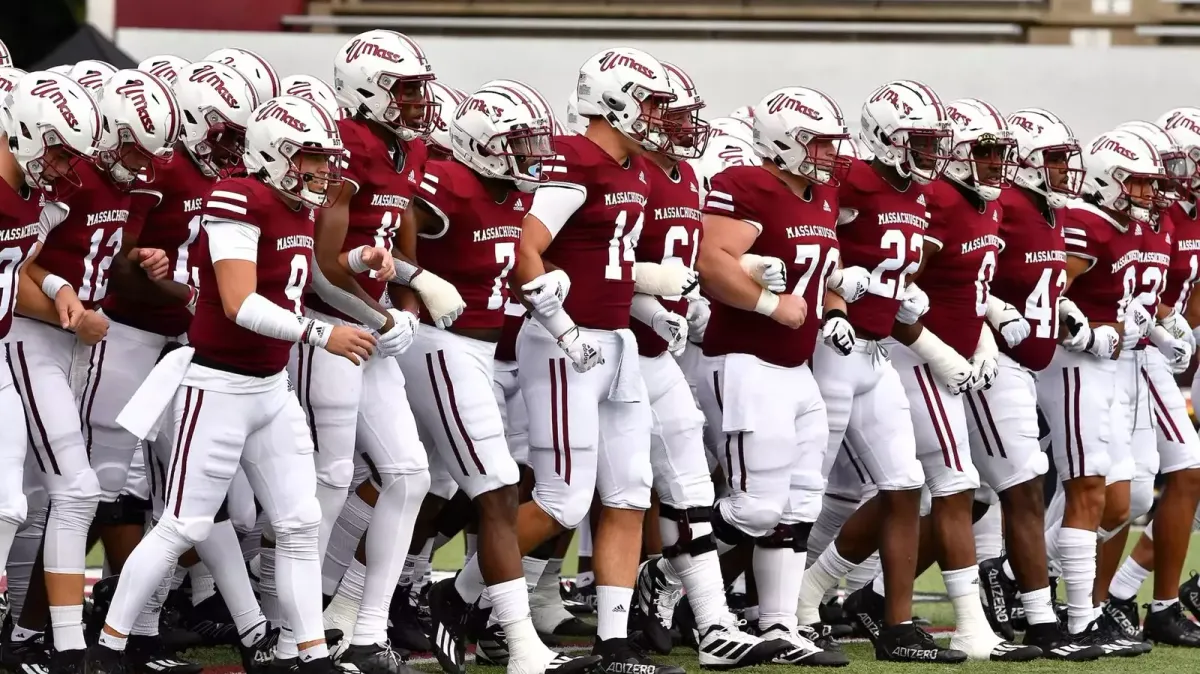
x=962, y=586
x=317, y=650
x=1162, y=604
x=203, y=585
x=472, y=545
x=864, y=573
x=834, y=513
x=878, y=586
x=347, y=531
x=510, y=609
x=533, y=568
x=67, y=624
x=585, y=578
x=584, y=532
x=342, y=612
x=470, y=583
x=989, y=535
x=1128, y=581
x=421, y=572
x=21, y=559
x=700, y=574
x=612, y=611
x=779, y=573
x=546, y=591
x=1077, y=548
x=286, y=648
x=829, y=570
x=1039, y=609
x=113, y=642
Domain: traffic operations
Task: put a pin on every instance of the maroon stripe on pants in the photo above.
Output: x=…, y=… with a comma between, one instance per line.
x=987, y=446
x=454, y=411
x=28, y=422
x=308, y=408
x=37, y=417
x=96, y=363
x=1067, y=421
x=187, y=448
x=554, y=419
x=1078, y=426
x=729, y=458
x=933, y=414
x=1163, y=410
x=175, y=453
x=437, y=396
x=742, y=459
x=952, y=443
x=566, y=430
x=987, y=411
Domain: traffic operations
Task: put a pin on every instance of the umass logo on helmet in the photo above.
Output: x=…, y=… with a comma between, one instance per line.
x=612, y=59
x=135, y=91
x=890, y=95
x=1178, y=119
x=276, y=111
x=1027, y=124
x=786, y=102
x=49, y=90
x=363, y=48
x=1103, y=143
x=206, y=74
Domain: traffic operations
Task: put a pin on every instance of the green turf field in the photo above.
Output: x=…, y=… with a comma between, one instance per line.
x=1162, y=661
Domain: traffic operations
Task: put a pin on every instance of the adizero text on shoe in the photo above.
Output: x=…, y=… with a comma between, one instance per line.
x=1170, y=627
x=998, y=594
x=1124, y=615
x=145, y=655
x=581, y=600
x=726, y=647
x=1056, y=644
x=491, y=646
x=375, y=659
x=865, y=608
x=657, y=599
x=618, y=656
x=448, y=615
x=802, y=651
x=1189, y=595
x=910, y=643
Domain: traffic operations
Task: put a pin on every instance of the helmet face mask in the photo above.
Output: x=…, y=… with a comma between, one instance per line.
x=312, y=175
x=503, y=132
x=384, y=76
x=631, y=91
x=1049, y=158
x=1125, y=174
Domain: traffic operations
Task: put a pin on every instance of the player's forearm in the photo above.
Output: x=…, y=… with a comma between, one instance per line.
x=723, y=279
x=834, y=302
x=907, y=334
x=31, y=301
x=347, y=296
x=1163, y=310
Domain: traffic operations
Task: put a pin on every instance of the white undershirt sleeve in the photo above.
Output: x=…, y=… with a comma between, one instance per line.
x=231, y=240
x=555, y=204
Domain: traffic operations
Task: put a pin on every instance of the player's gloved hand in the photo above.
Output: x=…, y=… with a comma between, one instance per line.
x=439, y=296
x=584, y=354
x=1103, y=342
x=1178, y=326
x=985, y=369
x=1075, y=333
x=837, y=332
x=1184, y=359
x=1007, y=320
x=914, y=303
x=1138, y=323
x=673, y=328
x=669, y=279
x=768, y=272
x=850, y=282
x=948, y=366
x=698, y=314
x=547, y=292
x=1177, y=351
x=353, y=344
x=396, y=341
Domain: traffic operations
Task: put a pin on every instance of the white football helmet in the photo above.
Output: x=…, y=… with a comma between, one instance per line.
x=8, y=80
x=614, y=85
x=1183, y=124
x=448, y=99
x=314, y=89
x=744, y=114
x=64, y=69
x=384, y=76
x=687, y=133
x=905, y=126
x=789, y=126
x=501, y=132
x=216, y=102
x=91, y=74
x=47, y=111
x=283, y=138
x=165, y=67
x=984, y=151
x=1049, y=161
x=138, y=116
x=260, y=74
x=1181, y=168
x=576, y=123
x=5, y=57
x=1115, y=158
x=539, y=101
x=721, y=153
x=728, y=126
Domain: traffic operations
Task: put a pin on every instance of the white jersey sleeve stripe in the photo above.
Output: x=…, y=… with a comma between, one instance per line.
x=232, y=196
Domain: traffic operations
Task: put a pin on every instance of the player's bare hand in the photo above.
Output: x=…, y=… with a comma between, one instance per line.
x=380, y=261
x=350, y=343
x=792, y=310
x=92, y=328
x=70, y=310
x=152, y=261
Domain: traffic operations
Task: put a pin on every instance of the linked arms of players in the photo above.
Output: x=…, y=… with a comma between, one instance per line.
x=51, y=299
x=441, y=299
x=719, y=264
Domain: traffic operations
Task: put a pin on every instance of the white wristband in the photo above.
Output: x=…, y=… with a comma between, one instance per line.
x=767, y=302
x=261, y=315
x=52, y=284
x=354, y=260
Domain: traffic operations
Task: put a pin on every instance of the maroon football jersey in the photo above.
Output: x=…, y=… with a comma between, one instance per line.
x=958, y=278
x=477, y=248
x=799, y=232
x=1154, y=263
x=284, y=259
x=1185, y=256
x=884, y=237
x=1102, y=293
x=19, y=228
x=172, y=225
x=386, y=177
x=671, y=232
x=1031, y=275
x=81, y=248
x=595, y=247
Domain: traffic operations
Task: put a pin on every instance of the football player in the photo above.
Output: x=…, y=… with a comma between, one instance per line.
x=758, y=389
x=1002, y=421
x=949, y=351
x=589, y=418
x=437, y=143
x=1081, y=393
x=885, y=215
x=228, y=391
x=258, y=72
x=671, y=235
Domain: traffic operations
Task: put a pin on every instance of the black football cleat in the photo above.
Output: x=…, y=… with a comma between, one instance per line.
x=211, y=620
x=1171, y=628
x=375, y=659
x=448, y=613
x=834, y=621
x=257, y=659
x=1124, y=615
x=1108, y=637
x=103, y=660
x=73, y=661
x=1189, y=595
x=23, y=657
x=1056, y=644
x=910, y=643
x=998, y=593
x=491, y=646
x=656, y=599
x=618, y=656
x=406, y=631
x=145, y=655
x=865, y=608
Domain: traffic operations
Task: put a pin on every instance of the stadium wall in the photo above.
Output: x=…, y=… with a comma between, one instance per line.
x=1092, y=88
